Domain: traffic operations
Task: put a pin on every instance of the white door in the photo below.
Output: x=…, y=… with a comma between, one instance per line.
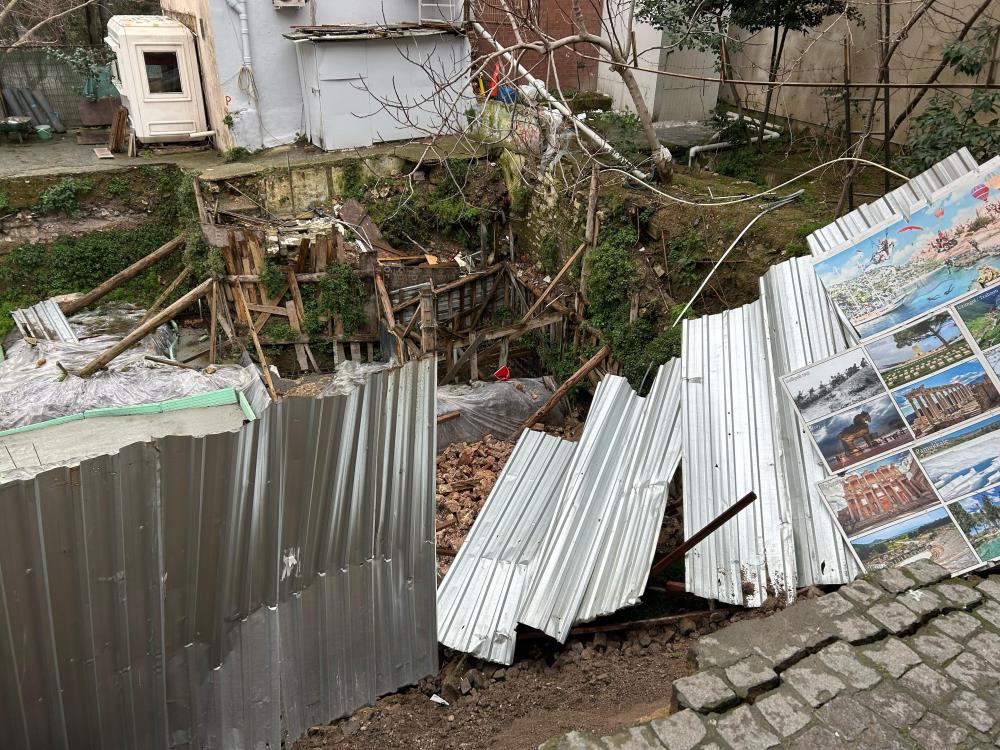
x=170, y=90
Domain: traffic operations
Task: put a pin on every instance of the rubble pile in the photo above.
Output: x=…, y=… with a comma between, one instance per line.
x=466, y=473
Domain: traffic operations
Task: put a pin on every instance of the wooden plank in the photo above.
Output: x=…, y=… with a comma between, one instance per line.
x=321, y=251
x=121, y=277
x=142, y=329
x=556, y=280
x=270, y=309
x=213, y=331
x=165, y=294
x=300, y=349
x=451, y=285
x=466, y=355
x=244, y=314
x=561, y=391
x=356, y=352
x=264, y=316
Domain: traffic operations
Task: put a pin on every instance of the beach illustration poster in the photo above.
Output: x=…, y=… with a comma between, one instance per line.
x=979, y=517
x=932, y=535
x=919, y=349
x=878, y=493
x=963, y=461
x=942, y=252
x=947, y=398
x=860, y=434
x=834, y=384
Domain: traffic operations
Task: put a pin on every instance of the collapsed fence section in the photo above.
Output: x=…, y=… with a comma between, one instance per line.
x=225, y=591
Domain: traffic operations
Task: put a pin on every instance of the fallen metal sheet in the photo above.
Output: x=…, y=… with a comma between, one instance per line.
x=479, y=599
x=600, y=544
x=224, y=591
x=44, y=320
x=894, y=203
x=570, y=529
x=730, y=448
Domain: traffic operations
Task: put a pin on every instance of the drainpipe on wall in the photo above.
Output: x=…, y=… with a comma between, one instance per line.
x=240, y=6
x=562, y=108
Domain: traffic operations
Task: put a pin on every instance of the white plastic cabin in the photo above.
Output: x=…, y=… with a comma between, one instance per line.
x=156, y=73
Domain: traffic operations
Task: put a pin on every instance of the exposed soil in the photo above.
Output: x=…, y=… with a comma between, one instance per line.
x=596, y=683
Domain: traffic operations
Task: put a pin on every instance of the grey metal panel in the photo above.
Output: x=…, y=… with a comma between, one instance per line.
x=802, y=328
x=479, y=598
x=897, y=202
x=729, y=404
x=569, y=531
x=44, y=320
x=218, y=591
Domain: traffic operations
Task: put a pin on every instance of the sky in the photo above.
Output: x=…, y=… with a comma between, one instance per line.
x=886, y=354
x=902, y=527
x=959, y=207
x=972, y=504
x=880, y=409
x=965, y=373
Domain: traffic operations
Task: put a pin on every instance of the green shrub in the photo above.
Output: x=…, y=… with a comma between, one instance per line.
x=611, y=277
x=62, y=196
x=741, y=164
x=341, y=294
x=684, y=251
x=237, y=153
x=352, y=180
x=548, y=253
x=273, y=277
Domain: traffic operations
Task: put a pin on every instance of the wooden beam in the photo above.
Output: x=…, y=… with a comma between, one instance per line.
x=556, y=280
x=448, y=416
x=478, y=315
x=253, y=278
x=386, y=302
x=121, y=277
x=453, y=370
x=519, y=329
x=244, y=314
x=142, y=329
x=468, y=279
x=300, y=349
x=213, y=331
x=165, y=294
x=269, y=309
x=561, y=391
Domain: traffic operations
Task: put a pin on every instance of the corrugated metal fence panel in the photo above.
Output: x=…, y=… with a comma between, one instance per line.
x=204, y=592
x=633, y=524
x=802, y=328
x=729, y=407
x=609, y=511
x=44, y=320
x=480, y=596
x=898, y=201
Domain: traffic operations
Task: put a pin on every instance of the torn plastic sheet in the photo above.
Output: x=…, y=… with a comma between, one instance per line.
x=490, y=409
x=34, y=389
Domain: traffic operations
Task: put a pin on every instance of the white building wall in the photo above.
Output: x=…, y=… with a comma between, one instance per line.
x=666, y=98
x=277, y=113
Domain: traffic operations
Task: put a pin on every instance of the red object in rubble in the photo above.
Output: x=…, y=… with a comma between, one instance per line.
x=502, y=374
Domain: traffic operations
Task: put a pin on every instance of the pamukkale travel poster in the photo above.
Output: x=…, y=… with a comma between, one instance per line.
x=916, y=454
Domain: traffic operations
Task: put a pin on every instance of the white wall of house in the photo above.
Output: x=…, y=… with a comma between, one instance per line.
x=277, y=112
x=666, y=98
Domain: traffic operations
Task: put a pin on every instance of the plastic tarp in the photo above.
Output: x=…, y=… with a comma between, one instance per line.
x=34, y=389
x=496, y=409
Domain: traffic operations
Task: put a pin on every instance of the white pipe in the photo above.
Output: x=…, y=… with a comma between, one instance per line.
x=240, y=6
x=566, y=111
x=769, y=135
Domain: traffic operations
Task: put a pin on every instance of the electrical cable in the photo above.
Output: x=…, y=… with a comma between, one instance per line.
x=761, y=194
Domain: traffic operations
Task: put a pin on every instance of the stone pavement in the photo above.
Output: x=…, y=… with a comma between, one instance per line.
x=902, y=658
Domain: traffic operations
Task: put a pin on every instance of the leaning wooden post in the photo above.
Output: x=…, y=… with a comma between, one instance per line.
x=121, y=277
x=428, y=322
x=143, y=328
x=552, y=284
x=243, y=312
x=573, y=379
x=213, y=332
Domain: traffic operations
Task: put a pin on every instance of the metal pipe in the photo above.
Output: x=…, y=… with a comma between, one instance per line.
x=769, y=135
x=558, y=105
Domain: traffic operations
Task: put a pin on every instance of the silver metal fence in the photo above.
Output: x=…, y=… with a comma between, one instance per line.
x=225, y=591
x=33, y=68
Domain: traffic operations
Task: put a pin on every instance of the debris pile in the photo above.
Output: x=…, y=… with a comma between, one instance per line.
x=466, y=473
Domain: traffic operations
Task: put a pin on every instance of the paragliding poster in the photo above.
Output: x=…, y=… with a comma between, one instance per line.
x=942, y=252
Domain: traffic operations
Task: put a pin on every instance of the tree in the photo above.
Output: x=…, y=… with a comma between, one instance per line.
x=919, y=331
x=965, y=519
x=705, y=25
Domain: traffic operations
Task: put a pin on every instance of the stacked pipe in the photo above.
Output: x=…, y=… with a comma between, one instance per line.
x=33, y=104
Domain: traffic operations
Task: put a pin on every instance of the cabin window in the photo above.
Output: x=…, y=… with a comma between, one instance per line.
x=162, y=72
